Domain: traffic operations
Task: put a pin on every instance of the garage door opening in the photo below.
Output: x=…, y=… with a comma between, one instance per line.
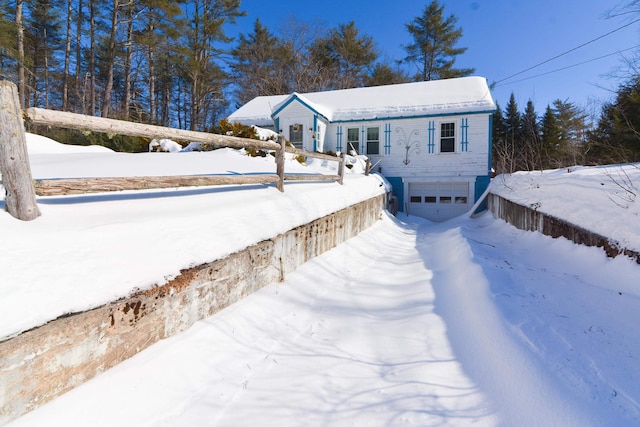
x=439, y=201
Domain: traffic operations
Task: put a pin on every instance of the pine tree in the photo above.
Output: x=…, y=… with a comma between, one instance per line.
x=203, y=73
x=551, y=138
x=617, y=137
x=498, y=140
x=508, y=158
x=257, y=65
x=42, y=28
x=384, y=74
x=8, y=37
x=530, y=146
x=433, y=49
x=345, y=56
x=22, y=83
x=159, y=24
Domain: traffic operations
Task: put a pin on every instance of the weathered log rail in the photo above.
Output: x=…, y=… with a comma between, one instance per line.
x=21, y=190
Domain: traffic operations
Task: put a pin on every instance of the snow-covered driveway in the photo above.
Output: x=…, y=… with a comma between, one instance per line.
x=470, y=322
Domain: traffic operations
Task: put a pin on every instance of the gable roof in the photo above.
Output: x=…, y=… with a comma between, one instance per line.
x=431, y=98
x=257, y=111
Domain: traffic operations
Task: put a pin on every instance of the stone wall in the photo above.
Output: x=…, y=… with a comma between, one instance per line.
x=40, y=364
x=529, y=219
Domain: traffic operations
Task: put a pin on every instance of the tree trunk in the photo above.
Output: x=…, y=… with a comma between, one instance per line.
x=92, y=56
x=127, y=64
x=20, y=199
x=152, y=85
x=111, y=57
x=22, y=88
x=79, y=78
x=67, y=59
x=46, y=70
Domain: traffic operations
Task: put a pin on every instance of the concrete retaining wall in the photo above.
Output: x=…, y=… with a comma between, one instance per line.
x=528, y=218
x=38, y=365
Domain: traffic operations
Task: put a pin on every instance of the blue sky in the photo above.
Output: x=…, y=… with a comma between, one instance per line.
x=503, y=37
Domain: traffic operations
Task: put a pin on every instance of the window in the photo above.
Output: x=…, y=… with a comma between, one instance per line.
x=416, y=199
x=295, y=135
x=447, y=137
x=353, y=140
x=373, y=140
x=445, y=199
x=430, y=199
x=461, y=200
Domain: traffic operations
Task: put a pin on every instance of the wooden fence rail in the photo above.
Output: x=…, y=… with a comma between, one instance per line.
x=21, y=190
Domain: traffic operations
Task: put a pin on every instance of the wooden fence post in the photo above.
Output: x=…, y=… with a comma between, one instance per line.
x=20, y=199
x=280, y=162
x=341, y=168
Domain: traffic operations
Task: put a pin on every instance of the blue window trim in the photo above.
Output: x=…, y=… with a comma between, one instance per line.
x=431, y=137
x=339, y=139
x=315, y=133
x=387, y=138
x=362, y=141
x=464, y=128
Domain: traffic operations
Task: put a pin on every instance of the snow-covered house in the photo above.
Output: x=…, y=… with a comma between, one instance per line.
x=431, y=140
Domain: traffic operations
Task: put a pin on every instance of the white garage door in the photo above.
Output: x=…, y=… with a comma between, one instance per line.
x=439, y=201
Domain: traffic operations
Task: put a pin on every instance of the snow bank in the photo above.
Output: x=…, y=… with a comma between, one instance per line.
x=87, y=250
x=602, y=199
x=37, y=144
x=265, y=134
x=164, y=145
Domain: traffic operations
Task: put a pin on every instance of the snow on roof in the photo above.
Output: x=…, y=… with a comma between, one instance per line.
x=257, y=111
x=436, y=97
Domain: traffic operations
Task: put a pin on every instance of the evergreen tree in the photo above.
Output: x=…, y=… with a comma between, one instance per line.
x=617, y=137
x=498, y=140
x=530, y=146
x=42, y=28
x=513, y=134
x=573, y=130
x=345, y=56
x=8, y=36
x=384, y=74
x=551, y=139
x=257, y=65
x=572, y=121
x=433, y=49
x=160, y=26
x=203, y=74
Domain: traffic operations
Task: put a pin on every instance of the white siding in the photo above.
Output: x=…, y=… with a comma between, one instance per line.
x=421, y=163
x=296, y=113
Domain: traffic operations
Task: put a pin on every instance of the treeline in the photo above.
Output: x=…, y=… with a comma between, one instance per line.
x=156, y=61
x=173, y=63
x=564, y=136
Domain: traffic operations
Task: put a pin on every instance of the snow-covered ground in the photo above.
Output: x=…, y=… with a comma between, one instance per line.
x=85, y=251
x=604, y=199
x=467, y=322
